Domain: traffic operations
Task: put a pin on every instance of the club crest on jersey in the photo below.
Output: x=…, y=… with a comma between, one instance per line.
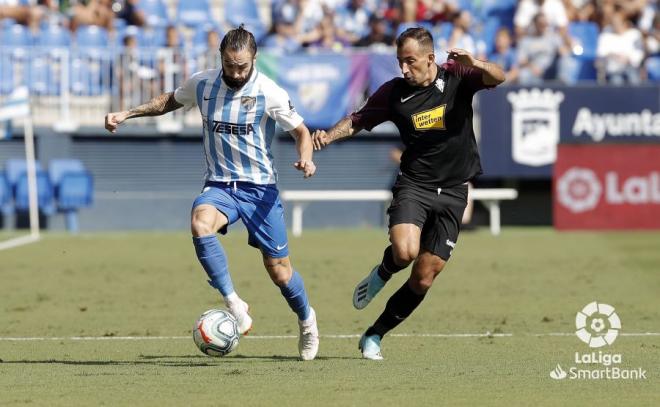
x=248, y=102
x=432, y=119
x=440, y=84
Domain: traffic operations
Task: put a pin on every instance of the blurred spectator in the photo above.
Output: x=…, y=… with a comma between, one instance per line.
x=461, y=38
x=620, y=51
x=553, y=10
x=352, y=20
x=297, y=20
x=92, y=12
x=127, y=10
x=538, y=52
x=329, y=40
x=504, y=54
x=581, y=10
x=178, y=66
x=26, y=12
x=377, y=34
x=435, y=11
x=652, y=41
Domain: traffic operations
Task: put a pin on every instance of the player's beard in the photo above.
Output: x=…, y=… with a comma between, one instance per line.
x=237, y=84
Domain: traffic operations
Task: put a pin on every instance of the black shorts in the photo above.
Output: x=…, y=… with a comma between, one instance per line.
x=437, y=212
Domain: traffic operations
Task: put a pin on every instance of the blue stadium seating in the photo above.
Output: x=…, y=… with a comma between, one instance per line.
x=47, y=59
x=88, y=61
x=653, y=68
x=155, y=12
x=14, y=168
x=245, y=12
x=14, y=42
x=192, y=13
x=5, y=195
x=586, y=35
x=73, y=188
x=44, y=193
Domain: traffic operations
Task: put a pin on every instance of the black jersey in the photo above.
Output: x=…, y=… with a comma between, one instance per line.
x=435, y=123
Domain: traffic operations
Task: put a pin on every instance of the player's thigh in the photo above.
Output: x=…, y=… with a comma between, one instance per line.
x=213, y=210
x=440, y=232
x=206, y=219
x=262, y=213
x=405, y=239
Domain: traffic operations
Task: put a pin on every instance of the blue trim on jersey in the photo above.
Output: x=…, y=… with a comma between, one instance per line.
x=270, y=133
x=226, y=147
x=261, y=108
x=200, y=97
x=242, y=140
x=209, y=122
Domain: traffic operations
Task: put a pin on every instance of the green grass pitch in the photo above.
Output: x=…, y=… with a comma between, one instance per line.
x=520, y=287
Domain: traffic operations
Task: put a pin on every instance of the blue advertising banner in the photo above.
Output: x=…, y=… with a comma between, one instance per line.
x=521, y=127
x=317, y=84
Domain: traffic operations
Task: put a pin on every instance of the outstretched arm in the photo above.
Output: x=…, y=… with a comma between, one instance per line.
x=157, y=106
x=304, y=148
x=342, y=129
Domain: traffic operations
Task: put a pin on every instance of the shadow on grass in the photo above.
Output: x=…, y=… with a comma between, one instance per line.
x=172, y=361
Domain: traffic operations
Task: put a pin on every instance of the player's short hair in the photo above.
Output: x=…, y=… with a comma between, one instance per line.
x=419, y=34
x=238, y=39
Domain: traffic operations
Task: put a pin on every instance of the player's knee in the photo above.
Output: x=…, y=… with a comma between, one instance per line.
x=421, y=285
x=404, y=254
x=279, y=271
x=201, y=227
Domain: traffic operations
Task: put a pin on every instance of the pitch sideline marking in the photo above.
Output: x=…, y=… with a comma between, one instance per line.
x=329, y=336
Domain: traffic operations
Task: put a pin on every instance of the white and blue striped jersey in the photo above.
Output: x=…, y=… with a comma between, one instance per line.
x=238, y=125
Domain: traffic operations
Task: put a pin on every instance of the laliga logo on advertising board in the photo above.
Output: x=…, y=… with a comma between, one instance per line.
x=580, y=190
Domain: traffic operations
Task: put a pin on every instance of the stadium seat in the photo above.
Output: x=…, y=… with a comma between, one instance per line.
x=192, y=13
x=48, y=58
x=653, y=68
x=89, y=61
x=14, y=168
x=502, y=10
x=585, y=34
x=5, y=196
x=14, y=42
x=155, y=12
x=73, y=188
x=44, y=193
x=245, y=12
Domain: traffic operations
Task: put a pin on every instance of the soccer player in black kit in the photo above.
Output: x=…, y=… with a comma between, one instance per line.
x=432, y=108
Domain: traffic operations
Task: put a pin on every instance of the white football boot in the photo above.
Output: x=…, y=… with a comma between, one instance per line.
x=308, y=343
x=370, y=347
x=367, y=289
x=239, y=309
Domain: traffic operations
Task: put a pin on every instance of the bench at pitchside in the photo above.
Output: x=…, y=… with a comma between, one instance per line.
x=491, y=197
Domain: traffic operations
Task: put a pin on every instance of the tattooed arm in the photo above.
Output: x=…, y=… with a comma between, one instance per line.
x=344, y=128
x=157, y=106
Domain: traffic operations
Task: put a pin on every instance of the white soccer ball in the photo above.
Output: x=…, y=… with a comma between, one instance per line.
x=216, y=332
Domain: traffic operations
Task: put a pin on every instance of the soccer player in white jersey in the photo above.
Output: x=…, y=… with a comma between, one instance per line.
x=239, y=108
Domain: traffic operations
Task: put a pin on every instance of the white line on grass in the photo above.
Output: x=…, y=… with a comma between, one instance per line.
x=329, y=336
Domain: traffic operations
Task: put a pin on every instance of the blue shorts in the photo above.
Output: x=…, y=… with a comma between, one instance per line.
x=258, y=206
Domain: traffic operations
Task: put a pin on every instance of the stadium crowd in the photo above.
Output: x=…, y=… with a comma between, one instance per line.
x=615, y=41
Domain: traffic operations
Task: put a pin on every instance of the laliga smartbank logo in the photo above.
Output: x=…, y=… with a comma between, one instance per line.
x=597, y=325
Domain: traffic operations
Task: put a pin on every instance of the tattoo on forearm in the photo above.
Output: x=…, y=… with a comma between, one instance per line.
x=161, y=104
x=342, y=129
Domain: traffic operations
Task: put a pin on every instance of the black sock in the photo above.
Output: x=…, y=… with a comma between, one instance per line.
x=400, y=305
x=388, y=266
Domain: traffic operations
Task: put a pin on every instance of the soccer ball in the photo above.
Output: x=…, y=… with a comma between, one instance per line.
x=216, y=332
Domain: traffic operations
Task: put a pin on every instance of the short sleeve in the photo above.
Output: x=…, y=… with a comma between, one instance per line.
x=280, y=109
x=472, y=76
x=376, y=110
x=186, y=94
